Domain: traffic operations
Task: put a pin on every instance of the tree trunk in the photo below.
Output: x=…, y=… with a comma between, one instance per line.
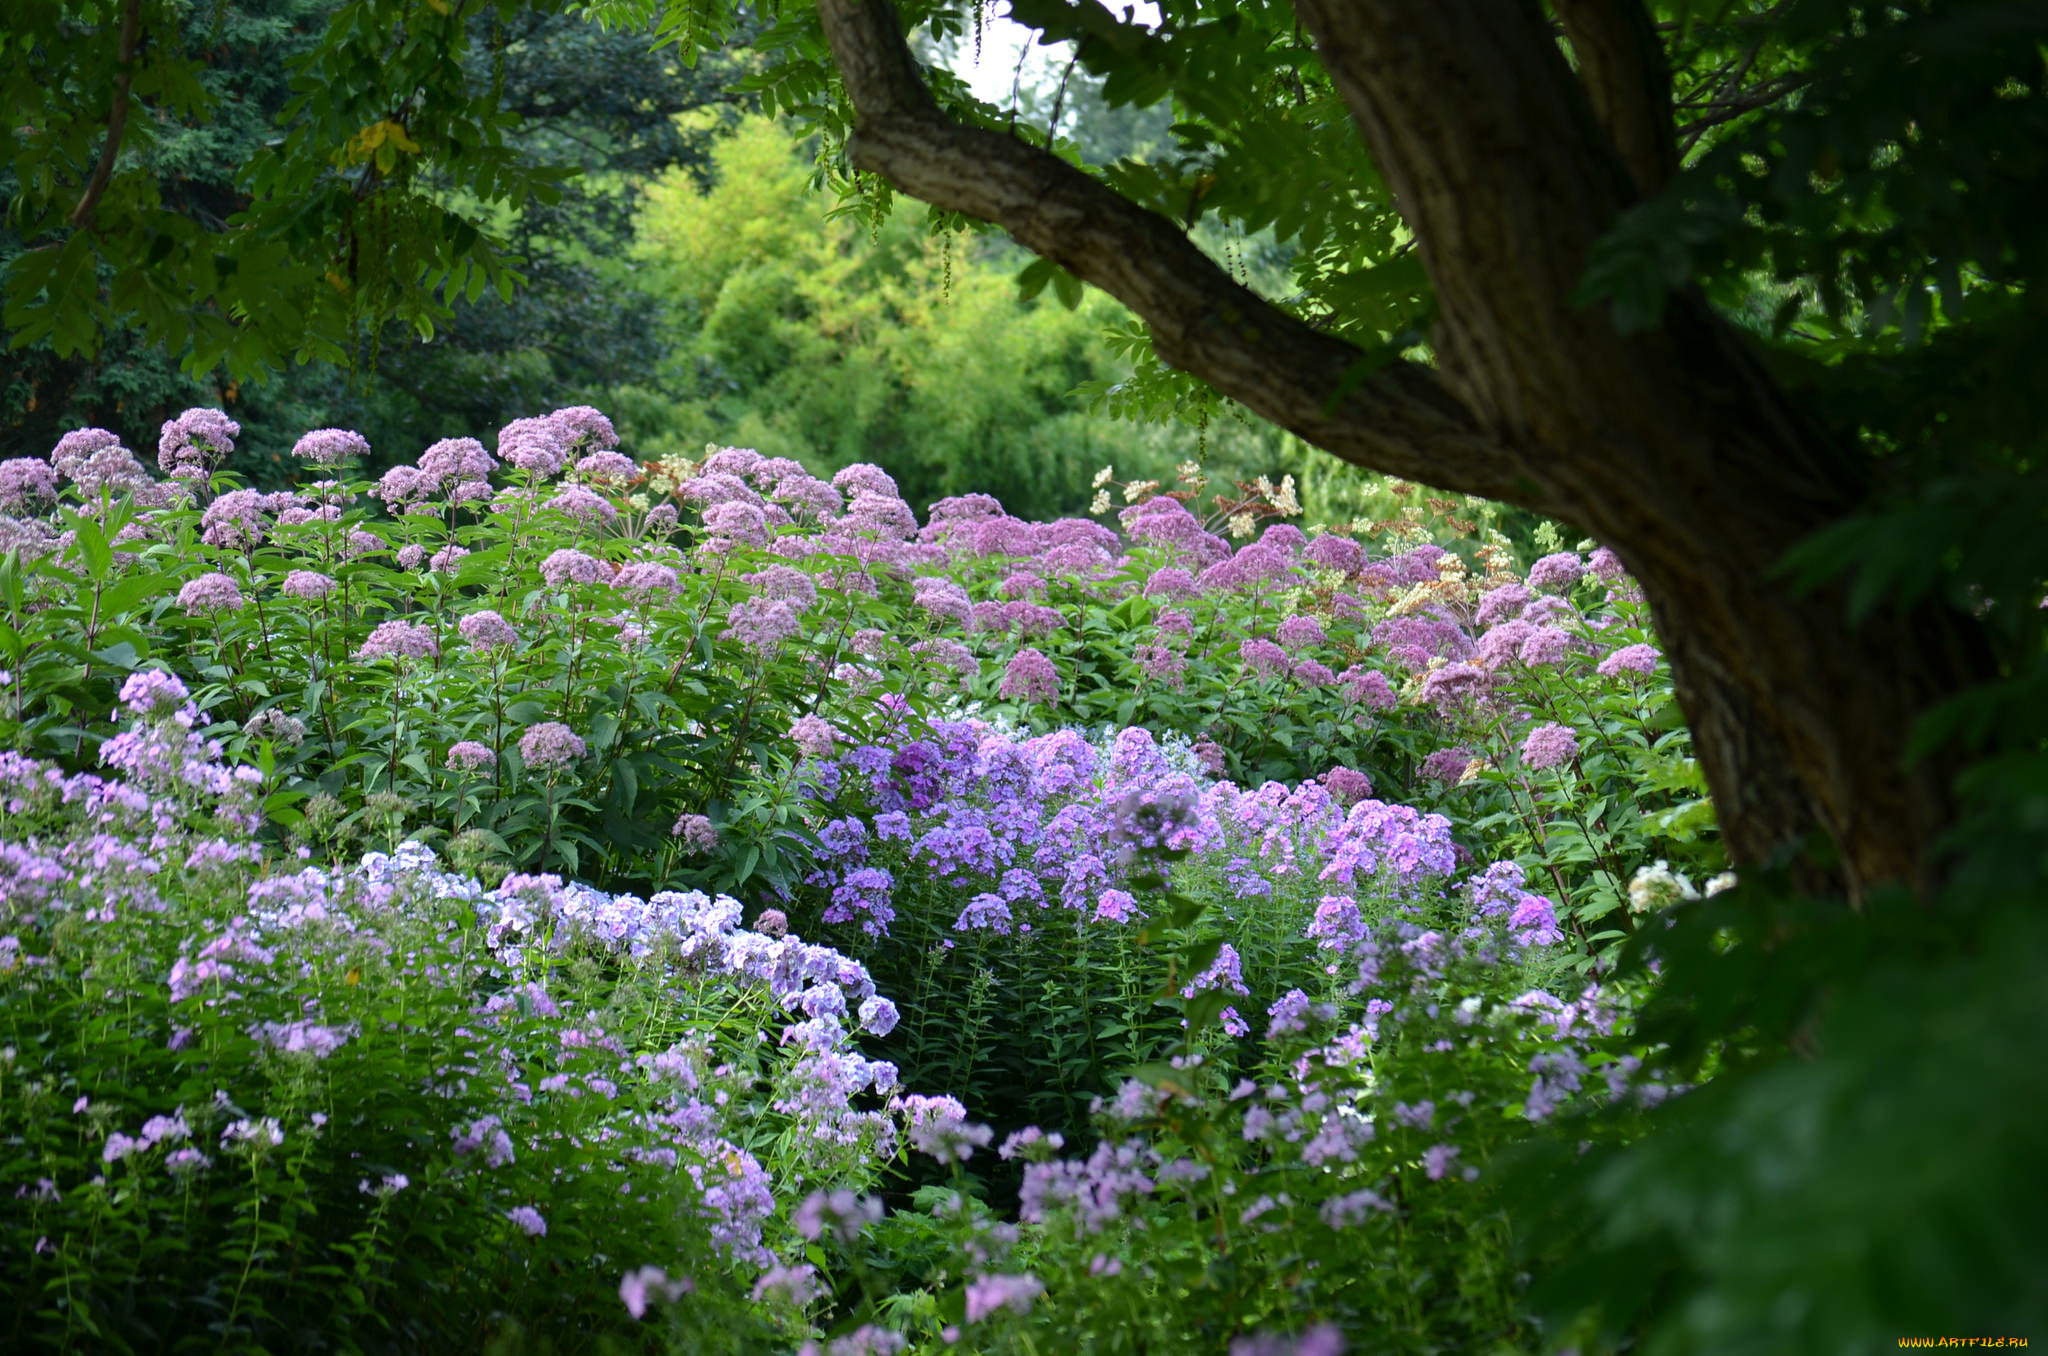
x=1673, y=446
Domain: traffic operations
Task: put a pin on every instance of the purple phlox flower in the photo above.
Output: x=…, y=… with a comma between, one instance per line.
x=840, y=1213
x=1534, y=922
x=1352, y=1209
x=797, y=1285
x=987, y=1295
x=938, y=1126
x=878, y=1016
x=1549, y=745
x=1437, y=1159
x=1225, y=972
x=486, y=1135
x=1115, y=906
x=550, y=745
x=153, y=692
x=1032, y=1144
x=528, y=1221
x=1629, y=659
x=985, y=912
x=645, y=1285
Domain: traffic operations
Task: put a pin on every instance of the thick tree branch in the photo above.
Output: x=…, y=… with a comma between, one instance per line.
x=1625, y=75
x=1397, y=419
x=117, y=118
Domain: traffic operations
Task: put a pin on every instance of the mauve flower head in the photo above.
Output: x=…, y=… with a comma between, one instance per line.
x=361, y=543
x=988, y=1295
x=733, y=522
x=194, y=440
x=1170, y=583
x=883, y=515
x=614, y=469
x=535, y=446
x=308, y=584
x=486, y=630
x=1163, y=664
x=1629, y=659
x=566, y=566
x=469, y=756
x=786, y=582
x=78, y=447
x=698, y=833
x=1262, y=656
x=330, y=446
x=550, y=745
x=1549, y=745
x=401, y=485
x=774, y=923
x=1298, y=632
x=1333, y=552
x=644, y=577
x=861, y=478
x=398, y=639
x=1556, y=572
x=1325, y=1339
x=1607, y=567
x=1209, y=754
x=1447, y=766
x=455, y=461
x=528, y=1220
x=663, y=519
x=234, y=519
x=1453, y=685
x=1347, y=786
x=412, y=556
x=1500, y=604
x=761, y=624
x=26, y=478
x=1030, y=677
x=209, y=593
x=1502, y=644
x=1367, y=687
x=814, y=737
x=583, y=506
x=1314, y=673
x=583, y=428
x=1546, y=645
x=447, y=558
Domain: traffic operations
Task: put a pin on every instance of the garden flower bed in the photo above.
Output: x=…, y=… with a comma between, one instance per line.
x=535, y=898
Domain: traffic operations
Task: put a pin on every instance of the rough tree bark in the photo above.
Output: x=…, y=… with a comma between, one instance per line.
x=1674, y=447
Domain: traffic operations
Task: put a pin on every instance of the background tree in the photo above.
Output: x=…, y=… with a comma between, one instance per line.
x=221, y=156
